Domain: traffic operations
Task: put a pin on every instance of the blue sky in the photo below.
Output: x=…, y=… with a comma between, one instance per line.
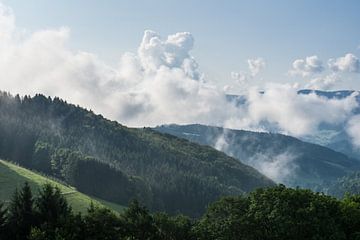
x=239, y=45
x=226, y=33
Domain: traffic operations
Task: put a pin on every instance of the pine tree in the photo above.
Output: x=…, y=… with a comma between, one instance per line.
x=102, y=223
x=21, y=213
x=139, y=222
x=52, y=206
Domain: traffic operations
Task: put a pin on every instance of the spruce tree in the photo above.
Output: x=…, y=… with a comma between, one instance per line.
x=52, y=206
x=21, y=213
x=138, y=222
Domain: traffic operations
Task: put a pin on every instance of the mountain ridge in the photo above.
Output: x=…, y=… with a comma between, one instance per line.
x=310, y=165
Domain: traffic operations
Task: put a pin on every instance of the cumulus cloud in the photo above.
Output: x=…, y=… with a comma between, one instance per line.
x=243, y=77
x=348, y=63
x=160, y=83
x=308, y=66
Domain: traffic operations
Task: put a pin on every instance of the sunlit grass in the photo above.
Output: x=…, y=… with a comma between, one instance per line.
x=13, y=176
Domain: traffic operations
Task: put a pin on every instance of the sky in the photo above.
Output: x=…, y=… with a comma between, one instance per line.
x=226, y=33
x=147, y=63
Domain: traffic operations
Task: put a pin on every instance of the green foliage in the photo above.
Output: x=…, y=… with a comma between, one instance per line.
x=268, y=214
x=21, y=216
x=284, y=213
x=226, y=219
x=281, y=213
x=52, y=206
x=41, y=157
x=138, y=223
x=350, y=207
x=100, y=223
x=174, y=227
x=116, y=163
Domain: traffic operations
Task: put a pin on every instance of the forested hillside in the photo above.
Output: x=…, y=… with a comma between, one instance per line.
x=110, y=161
x=287, y=159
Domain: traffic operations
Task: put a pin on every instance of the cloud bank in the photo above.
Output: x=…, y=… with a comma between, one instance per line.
x=160, y=83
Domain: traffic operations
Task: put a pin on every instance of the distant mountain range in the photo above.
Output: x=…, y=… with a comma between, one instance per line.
x=283, y=158
x=331, y=136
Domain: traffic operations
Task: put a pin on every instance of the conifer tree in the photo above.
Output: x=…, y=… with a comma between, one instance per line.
x=52, y=206
x=21, y=213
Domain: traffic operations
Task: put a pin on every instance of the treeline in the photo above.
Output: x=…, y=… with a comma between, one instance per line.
x=110, y=161
x=277, y=213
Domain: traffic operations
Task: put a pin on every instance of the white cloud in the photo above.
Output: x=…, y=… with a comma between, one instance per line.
x=326, y=82
x=280, y=168
x=160, y=83
x=256, y=65
x=348, y=63
x=353, y=130
x=281, y=108
x=242, y=78
x=308, y=66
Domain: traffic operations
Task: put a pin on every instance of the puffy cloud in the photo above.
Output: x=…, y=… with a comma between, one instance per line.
x=307, y=66
x=160, y=83
x=172, y=53
x=324, y=82
x=353, y=130
x=256, y=65
x=348, y=63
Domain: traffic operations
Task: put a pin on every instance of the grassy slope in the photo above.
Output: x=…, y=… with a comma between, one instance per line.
x=13, y=176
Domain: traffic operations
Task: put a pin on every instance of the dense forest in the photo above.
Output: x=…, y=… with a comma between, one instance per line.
x=299, y=163
x=268, y=214
x=105, y=159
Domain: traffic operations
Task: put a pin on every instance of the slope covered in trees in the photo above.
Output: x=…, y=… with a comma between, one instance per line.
x=110, y=161
x=289, y=160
